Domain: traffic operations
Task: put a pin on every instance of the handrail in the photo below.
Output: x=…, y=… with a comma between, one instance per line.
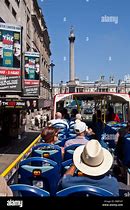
x=15, y=162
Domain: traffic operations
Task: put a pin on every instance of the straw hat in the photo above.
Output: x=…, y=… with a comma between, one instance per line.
x=92, y=159
x=4, y=188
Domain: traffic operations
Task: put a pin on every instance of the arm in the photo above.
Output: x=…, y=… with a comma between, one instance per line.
x=71, y=170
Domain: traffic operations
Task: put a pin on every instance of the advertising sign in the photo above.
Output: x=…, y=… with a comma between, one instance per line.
x=10, y=58
x=12, y=103
x=31, y=74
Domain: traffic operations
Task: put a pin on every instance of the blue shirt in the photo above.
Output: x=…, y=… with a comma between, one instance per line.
x=109, y=182
x=77, y=140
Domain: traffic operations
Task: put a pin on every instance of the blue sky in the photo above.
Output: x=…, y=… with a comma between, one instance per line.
x=101, y=48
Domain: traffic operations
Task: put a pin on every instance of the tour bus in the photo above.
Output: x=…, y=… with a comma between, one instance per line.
x=41, y=162
x=95, y=100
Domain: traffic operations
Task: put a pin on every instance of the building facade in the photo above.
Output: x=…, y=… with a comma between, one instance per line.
x=101, y=85
x=35, y=38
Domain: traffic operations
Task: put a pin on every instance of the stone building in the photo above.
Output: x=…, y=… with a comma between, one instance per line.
x=35, y=38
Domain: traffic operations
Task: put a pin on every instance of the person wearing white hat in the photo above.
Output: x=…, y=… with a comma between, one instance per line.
x=81, y=130
x=94, y=162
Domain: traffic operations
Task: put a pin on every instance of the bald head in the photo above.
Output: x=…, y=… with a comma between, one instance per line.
x=58, y=115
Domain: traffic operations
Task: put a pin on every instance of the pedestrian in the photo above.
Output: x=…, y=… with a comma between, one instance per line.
x=41, y=121
x=47, y=117
x=32, y=123
x=44, y=120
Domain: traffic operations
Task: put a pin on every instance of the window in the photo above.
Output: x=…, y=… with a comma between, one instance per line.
x=7, y=3
x=27, y=47
x=14, y=12
x=17, y=2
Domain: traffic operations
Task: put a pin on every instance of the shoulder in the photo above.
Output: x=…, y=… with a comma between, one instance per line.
x=69, y=142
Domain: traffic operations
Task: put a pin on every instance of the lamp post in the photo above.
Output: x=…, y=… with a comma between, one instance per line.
x=125, y=86
x=61, y=85
x=52, y=66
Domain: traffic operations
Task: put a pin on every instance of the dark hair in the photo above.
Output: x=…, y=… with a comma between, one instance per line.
x=48, y=134
x=111, y=109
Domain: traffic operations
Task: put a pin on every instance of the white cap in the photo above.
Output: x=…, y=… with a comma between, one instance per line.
x=80, y=127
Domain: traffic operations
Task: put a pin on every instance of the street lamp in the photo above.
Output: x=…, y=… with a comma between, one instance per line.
x=52, y=66
x=61, y=85
x=125, y=86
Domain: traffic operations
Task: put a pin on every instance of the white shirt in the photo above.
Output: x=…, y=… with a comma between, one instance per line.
x=53, y=121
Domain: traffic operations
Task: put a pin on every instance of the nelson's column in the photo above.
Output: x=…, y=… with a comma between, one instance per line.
x=71, y=83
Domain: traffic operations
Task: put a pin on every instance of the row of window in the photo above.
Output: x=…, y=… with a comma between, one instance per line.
x=7, y=2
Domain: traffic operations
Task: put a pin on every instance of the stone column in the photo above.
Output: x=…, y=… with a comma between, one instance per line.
x=71, y=58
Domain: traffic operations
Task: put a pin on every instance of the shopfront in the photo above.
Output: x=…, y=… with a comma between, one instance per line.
x=12, y=115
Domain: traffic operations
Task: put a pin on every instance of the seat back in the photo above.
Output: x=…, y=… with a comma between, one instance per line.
x=126, y=150
x=65, y=165
x=109, y=136
x=84, y=190
x=39, y=172
x=27, y=190
x=50, y=151
x=63, y=129
x=68, y=152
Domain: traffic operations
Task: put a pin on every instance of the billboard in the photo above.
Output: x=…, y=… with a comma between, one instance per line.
x=10, y=58
x=31, y=74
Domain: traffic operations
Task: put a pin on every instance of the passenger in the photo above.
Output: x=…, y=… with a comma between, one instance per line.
x=81, y=130
x=65, y=114
x=98, y=124
x=50, y=135
x=120, y=142
x=73, y=114
x=58, y=119
x=97, y=117
x=78, y=118
x=93, y=162
x=4, y=188
x=111, y=116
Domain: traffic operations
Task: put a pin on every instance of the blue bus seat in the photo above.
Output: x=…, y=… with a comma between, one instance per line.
x=84, y=190
x=63, y=129
x=60, y=142
x=65, y=165
x=68, y=152
x=50, y=151
x=27, y=190
x=109, y=135
x=40, y=176
x=126, y=150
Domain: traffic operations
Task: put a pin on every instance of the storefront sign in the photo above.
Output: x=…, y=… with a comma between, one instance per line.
x=10, y=58
x=12, y=103
x=31, y=73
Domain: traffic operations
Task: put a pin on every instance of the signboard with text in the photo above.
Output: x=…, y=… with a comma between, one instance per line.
x=12, y=103
x=31, y=74
x=10, y=58
x=19, y=103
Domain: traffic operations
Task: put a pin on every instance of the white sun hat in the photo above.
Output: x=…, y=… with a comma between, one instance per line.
x=92, y=159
